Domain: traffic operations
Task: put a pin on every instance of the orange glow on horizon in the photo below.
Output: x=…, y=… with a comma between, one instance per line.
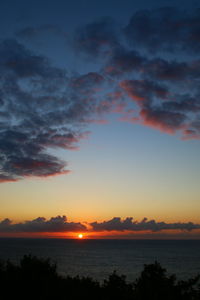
x=164, y=234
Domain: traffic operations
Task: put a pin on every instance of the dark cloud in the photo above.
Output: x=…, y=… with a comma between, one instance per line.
x=165, y=29
x=55, y=224
x=174, y=71
x=87, y=83
x=164, y=70
x=18, y=61
x=154, y=60
x=123, y=61
x=128, y=224
x=164, y=120
x=97, y=38
x=144, y=90
x=61, y=224
x=185, y=103
x=40, y=108
x=150, y=68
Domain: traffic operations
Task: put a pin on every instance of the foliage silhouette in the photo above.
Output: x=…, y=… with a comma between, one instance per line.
x=116, y=287
x=38, y=279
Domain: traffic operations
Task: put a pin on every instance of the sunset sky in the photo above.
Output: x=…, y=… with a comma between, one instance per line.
x=100, y=118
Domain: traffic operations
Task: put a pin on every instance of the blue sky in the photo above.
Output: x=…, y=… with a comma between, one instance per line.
x=107, y=103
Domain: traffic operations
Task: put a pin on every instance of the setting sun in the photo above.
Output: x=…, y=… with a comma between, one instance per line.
x=80, y=236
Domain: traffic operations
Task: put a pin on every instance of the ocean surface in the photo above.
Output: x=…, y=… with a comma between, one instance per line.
x=99, y=258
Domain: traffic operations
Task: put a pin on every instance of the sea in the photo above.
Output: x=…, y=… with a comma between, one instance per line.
x=99, y=258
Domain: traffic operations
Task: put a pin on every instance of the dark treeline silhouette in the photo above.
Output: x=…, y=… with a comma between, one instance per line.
x=38, y=279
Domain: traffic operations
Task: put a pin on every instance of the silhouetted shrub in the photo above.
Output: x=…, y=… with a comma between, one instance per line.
x=189, y=289
x=116, y=287
x=38, y=279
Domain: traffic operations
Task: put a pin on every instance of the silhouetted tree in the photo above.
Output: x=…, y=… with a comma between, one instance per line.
x=189, y=289
x=117, y=288
x=154, y=284
x=37, y=279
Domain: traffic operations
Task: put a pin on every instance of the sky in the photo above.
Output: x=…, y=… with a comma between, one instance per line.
x=100, y=118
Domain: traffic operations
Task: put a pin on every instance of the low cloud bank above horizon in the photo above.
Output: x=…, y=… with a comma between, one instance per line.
x=62, y=225
x=147, y=69
x=40, y=224
x=117, y=224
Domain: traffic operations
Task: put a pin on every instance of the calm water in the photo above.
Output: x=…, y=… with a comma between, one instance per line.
x=98, y=258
